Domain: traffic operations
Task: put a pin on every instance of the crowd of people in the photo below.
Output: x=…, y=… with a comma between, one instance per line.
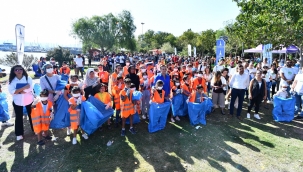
x=229, y=81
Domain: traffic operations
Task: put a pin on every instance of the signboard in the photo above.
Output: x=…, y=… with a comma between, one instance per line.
x=195, y=53
x=189, y=49
x=19, y=29
x=220, y=49
x=267, y=52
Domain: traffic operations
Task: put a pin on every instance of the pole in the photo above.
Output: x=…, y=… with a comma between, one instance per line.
x=142, y=27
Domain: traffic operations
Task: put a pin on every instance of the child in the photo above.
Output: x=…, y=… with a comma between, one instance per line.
x=116, y=89
x=105, y=98
x=175, y=90
x=137, y=104
x=41, y=115
x=282, y=93
x=5, y=123
x=74, y=110
x=127, y=106
x=198, y=96
x=145, y=86
x=157, y=93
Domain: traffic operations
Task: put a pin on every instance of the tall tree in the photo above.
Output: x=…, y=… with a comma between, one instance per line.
x=206, y=41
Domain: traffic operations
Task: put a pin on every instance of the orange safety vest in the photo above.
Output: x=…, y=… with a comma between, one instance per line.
x=103, y=97
x=104, y=76
x=41, y=120
x=196, y=82
x=149, y=83
x=114, y=78
x=116, y=95
x=192, y=97
x=186, y=89
x=125, y=71
x=74, y=115
x=67, y=70
x=127, y=107
x=157, y=98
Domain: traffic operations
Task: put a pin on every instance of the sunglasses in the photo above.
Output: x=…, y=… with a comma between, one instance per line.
x=17, y=70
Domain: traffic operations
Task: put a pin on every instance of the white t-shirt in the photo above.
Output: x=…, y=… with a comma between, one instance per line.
x=218, y=68
x=79, y=61
x=252, y=72
x=299, y=86
x=121, y=59
x=288, y=73
x=267, y=77
x=272, y=74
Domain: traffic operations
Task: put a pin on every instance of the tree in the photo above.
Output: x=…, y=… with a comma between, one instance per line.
x=12, y=60
x=59, y=54
x=206, y=41
x=106, y=31
x=167, y=48
x=278, y=22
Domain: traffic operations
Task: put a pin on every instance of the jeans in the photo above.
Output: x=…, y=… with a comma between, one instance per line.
x=299, y=102
x=268, y=86
x=234, y=94
x=273, y=88
x=79, y=69
x=118, y=118
x=19, y=118
x=255, y=101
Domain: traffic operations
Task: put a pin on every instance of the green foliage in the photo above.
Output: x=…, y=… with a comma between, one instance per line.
x=12, y=60
x=106, y=31
x=206, y=41
x=59, y=54
x=167, y=48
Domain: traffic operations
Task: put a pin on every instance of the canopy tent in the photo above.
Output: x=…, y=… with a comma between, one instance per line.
x=258, y=49
x=290, y=49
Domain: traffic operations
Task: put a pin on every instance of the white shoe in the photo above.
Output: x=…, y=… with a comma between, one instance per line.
x=177, y=118
x=143, y=117
x=7, y=124
x=269, y=102
x=257, y=116
x=85, y=136
x=19, y=138
x=226, y=102
x=68, y=131
x=74, y=141
x=248, y=115
x=172, y=120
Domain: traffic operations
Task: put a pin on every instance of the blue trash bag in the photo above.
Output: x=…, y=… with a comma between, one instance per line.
x=158, y=116
x=107, y=113
x=64, y=77
x=178, y=104
x=36, y=70
x=91, y=118
x=284, y=109
x=185, y=109
x=209, y=105
x=197, y=112
x=136, y=119
x=37, y=89
x=60, y=85
x=136, y=95
x=4, y=115
x=61, y=116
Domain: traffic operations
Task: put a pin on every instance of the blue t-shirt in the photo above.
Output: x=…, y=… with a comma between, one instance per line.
x=166, y=81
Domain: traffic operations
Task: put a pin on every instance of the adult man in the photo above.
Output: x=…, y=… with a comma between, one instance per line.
x=79, y=65
x=287, y=75
x=239, y=83
x=297, y=87
x=166, y=80
x=252, y=70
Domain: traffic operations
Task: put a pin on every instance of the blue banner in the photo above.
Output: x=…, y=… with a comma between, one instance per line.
x=220, y=49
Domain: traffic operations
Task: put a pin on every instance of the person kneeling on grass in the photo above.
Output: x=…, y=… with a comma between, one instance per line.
x=198, y=96
x=127, y=106
x=42, y=113
x=105, y=98
x=74, y=110
x=282, y=93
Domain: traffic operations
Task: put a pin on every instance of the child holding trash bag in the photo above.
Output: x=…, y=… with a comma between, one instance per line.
x=105, y=98
x=175, y=90
x=116, y=89
x=158, y=93
x=282, y=93
x=198, y=96
x=127, y=106
x=42, y=114
x=74, y=110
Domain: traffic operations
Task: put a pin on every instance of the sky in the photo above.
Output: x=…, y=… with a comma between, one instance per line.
x=49, y=22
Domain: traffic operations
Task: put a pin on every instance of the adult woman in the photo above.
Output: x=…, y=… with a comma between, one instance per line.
x=208, y=76
x=274, y=77
x=90, y=81
x=218, y=83
x=21, y=86
x=49, y=81
x=257, y=93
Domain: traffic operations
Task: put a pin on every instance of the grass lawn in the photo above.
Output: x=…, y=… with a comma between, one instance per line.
x=222, y=145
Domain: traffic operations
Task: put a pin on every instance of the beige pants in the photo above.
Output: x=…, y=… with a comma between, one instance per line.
x=218, y=100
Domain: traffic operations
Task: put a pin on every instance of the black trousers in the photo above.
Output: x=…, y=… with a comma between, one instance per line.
x=19, y=118
x=255, y=101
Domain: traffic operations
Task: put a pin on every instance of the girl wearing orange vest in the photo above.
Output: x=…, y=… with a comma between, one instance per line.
x=41, y=116
x=197, y=96
x=74, y=110
x=64, y=69
x=125, y=69
x=157, y=93
x=145, y=86
x=127, y=106
x=103, y=75
x=105, y=98
x=116, y=89
x=199, y=80
x=175, y=90
x=185, y=87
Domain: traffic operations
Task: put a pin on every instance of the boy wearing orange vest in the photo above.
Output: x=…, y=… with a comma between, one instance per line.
x=116, y=89
x=197, y=96
x=74, y=110
x=41, y=116
x=157, y=93
x=105, y=98
x=127, y=106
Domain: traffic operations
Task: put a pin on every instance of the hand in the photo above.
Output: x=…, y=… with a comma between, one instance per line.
x=187, y=100
x=26, y=87
x=52, y=116
x=250, y=97
x=73, y=106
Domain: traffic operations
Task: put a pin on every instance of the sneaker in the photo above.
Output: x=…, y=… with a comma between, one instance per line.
x=48, y=137
x=177, y=118
x=143, y=117
x=8, y=124
x=74, y=141
x=122, y=132
x=85, y=136
x=132, y=130
x=248, y=115
x=226, y=102
x=172, y=120
x=269, y=102
x=257, y=116
x=68, y=131
x=41, y=142
x=19, y=138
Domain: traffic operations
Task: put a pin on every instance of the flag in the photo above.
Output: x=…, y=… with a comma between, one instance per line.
x=189, y=49
x=175, y=51
x=195, y=53
x=20, y=42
